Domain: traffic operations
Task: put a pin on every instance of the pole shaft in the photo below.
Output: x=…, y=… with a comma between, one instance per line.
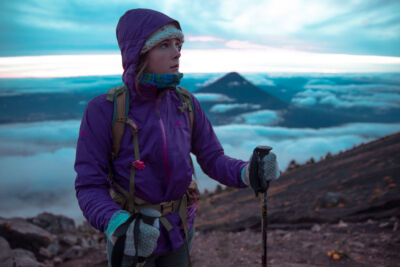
x=264, y=229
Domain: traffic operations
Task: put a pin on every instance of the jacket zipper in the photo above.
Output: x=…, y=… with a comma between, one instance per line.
x=164, y=137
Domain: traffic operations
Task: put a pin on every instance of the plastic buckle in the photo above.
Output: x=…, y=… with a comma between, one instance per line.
x=167, y=208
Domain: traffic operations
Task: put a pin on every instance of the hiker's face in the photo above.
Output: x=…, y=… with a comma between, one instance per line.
x=164, y=57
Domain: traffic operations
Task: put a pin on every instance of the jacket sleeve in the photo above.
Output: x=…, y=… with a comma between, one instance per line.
x=210, y=154
x=92, y=164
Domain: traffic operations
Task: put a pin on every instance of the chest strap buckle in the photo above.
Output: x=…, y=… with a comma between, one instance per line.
x=167, y=208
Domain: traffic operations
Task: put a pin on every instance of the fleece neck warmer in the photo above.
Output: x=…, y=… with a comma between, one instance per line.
x=161, y=80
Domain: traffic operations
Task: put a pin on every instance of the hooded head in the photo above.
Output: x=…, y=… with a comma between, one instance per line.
x=136, y=27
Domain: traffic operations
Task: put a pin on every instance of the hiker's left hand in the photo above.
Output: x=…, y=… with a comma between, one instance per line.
x=270, y=165
x=148, y=233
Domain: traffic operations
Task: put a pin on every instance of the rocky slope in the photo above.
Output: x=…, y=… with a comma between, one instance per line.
x=49, y=240
x=356, y=185
x=341, y=211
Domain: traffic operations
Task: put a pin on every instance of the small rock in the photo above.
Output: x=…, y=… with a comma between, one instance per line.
x=22, y=234
x=45, y=253
x=287, y=236
x=57, y=260
x=47, y=264
x=331, y=199
x=54, y=248
x=85, y=227
x=341, y=224
x=357, y=244
x=25, y=258
x=6, y=253
x=370, y=221
x=308, y=245
x=280, y=232
x=72, y=253
x=316, y=228
x=395, y=226
x=326, y=235
x=68, y=239
x=83, y=242
x=384, y=225
x=55, y=224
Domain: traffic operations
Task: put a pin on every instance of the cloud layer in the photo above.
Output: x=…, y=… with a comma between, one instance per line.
x=221, y=108
x=325, y=91
x=41, y=176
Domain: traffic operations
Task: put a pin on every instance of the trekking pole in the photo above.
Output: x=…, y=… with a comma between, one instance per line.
x=260, y=185
x=264, y=225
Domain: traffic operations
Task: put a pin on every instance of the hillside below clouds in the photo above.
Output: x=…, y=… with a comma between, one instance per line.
x=356, y=185
x=233, y=99
x=300, y=101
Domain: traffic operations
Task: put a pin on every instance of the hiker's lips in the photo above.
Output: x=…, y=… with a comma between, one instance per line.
x=175, y=67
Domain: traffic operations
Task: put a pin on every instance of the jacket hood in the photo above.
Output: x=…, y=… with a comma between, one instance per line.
x=133, y=29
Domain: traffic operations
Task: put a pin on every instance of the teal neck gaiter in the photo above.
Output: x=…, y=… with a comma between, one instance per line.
x=161, y=80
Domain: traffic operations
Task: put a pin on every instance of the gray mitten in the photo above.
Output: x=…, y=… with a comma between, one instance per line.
x=148, y=235
x=270, y=166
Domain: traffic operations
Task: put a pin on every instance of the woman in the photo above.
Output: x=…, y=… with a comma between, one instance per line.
x=150, y=44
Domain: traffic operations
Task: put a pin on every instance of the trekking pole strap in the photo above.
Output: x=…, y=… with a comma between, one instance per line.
x=117, y=253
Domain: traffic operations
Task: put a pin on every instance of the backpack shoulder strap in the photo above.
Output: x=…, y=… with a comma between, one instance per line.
x=120, y=97
x=187, y=103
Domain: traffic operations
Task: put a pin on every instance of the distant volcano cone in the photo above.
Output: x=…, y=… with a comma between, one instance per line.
x=236, y=87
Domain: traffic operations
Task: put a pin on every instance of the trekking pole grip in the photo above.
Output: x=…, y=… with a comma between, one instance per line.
x=257, y=181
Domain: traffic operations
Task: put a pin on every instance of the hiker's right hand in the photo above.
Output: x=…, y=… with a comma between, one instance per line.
x=270, y=167
x=148, y=234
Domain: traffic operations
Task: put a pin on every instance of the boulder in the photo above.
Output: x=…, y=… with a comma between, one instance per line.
x=55, y=224
x=332, y=199
x=22, y=234
x=25, y=258
x=73, y=253
x=6, y=253
x=85, y=227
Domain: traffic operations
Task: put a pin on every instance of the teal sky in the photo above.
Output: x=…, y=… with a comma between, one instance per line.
x=59, y=27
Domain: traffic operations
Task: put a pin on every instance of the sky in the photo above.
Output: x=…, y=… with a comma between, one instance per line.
x=266, y=36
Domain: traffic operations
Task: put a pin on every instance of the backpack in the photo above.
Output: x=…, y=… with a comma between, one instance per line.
x=120, y=97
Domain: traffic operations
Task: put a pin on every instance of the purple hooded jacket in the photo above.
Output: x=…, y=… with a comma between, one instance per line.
x=165, y=142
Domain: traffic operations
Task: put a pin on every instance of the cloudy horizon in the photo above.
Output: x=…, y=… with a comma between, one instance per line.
x=73, y=38
x=30, y=189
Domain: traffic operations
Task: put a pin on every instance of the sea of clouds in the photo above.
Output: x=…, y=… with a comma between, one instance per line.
x=37, y=159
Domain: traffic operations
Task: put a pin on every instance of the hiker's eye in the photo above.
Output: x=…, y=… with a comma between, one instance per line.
x=164, y=45
x=178, y=45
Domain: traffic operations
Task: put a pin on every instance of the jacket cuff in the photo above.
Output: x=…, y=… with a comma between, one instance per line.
x=243, y=175
x=118, y=218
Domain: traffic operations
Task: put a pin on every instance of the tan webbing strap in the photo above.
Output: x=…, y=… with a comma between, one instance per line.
x=119, y=188
x=118, y=94
x=166, y=223
x=135, y=141
x=131, y=204
x=188, y=105
x=119, y=125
